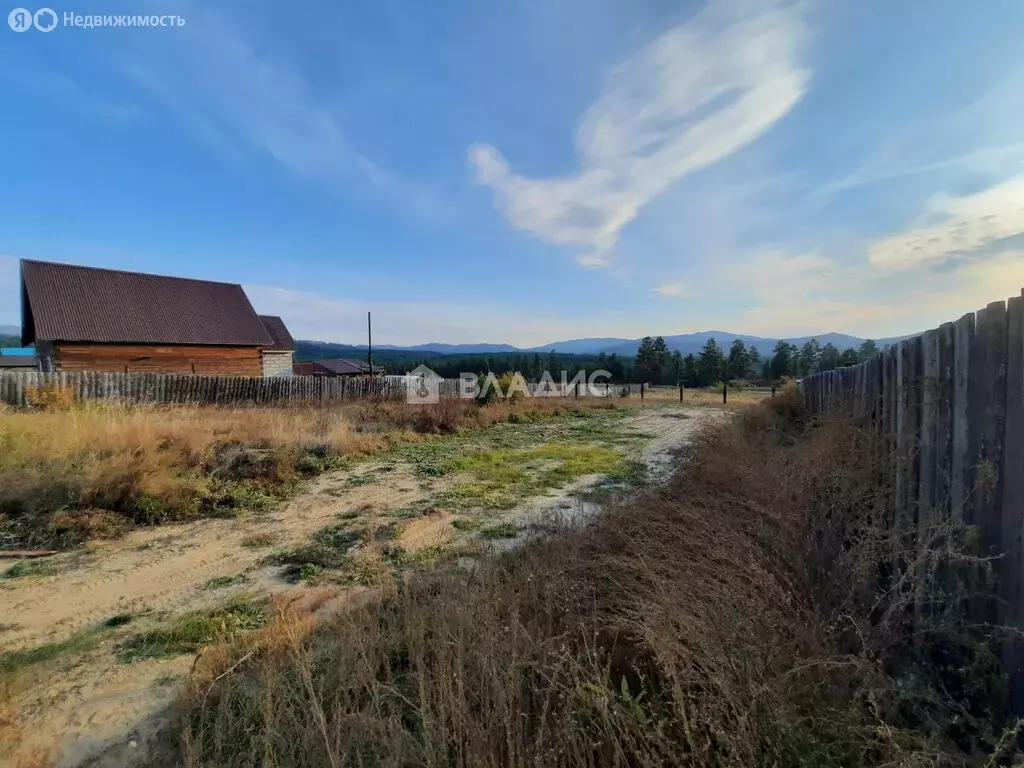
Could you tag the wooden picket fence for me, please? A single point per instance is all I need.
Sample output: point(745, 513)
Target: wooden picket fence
point(16, 388)
point(181, 389)
point(952, 403)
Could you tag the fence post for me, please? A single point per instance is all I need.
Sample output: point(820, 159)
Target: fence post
point(680, 393)
point(725, 393)
point(641, 390)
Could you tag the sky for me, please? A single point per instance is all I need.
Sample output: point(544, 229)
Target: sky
point(528, 171)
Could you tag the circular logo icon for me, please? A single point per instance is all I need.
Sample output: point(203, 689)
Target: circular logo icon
point(45, 19)
point(20, 20)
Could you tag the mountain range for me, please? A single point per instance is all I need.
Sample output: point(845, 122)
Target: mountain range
point(687, 343)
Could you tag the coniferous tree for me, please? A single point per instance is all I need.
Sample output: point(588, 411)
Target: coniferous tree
point(711, 367)
point(738, 360)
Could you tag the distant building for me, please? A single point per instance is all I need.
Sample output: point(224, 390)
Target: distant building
point(88, 319)
point(336, 367)
point(277, 358)
point(19, 362)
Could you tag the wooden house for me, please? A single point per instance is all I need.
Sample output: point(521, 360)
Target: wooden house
point(89, 319)
point(277, 358)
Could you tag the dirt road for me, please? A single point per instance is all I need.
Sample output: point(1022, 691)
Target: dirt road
point(94, 706)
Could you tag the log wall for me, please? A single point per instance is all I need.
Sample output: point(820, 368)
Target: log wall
point(179, 359)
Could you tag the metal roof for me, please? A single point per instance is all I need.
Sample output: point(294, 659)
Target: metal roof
point(18, 361)
point(337, 366)
point(275, 326)
point(64, 302)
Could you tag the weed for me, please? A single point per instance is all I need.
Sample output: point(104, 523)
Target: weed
point(83, 640)
point(357, 480)
point(500, 531)
point(27, 568)
point(259, 541)
point(220, 582)
point(191, 632)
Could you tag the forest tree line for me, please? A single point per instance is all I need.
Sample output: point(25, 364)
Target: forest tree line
point(654, 363)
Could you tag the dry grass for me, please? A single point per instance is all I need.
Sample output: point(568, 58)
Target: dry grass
point(750, 613)
point(708, 396)
point(69, 472)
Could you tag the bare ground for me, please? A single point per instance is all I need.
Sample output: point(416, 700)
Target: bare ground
point(89, 708)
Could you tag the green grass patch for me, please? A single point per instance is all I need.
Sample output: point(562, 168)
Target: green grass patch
point(84, 640)
point(352, 514)
point(328, 549)
point(28, 568)
point(226, 581)
point(191, 632)
point(259, 541)
point(500, 531)
point(355, 481)
point(502, 479)
point(465, 524)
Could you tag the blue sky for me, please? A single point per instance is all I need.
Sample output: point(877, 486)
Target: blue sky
point(529, 171)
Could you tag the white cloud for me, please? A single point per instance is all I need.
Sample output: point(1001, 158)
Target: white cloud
point(964, 225)
point(695, 95)
point(675, 290)
point(798, 295)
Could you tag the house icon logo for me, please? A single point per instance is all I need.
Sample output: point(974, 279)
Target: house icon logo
point(423, 386)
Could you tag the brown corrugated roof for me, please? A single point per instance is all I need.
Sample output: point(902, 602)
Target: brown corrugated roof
point(275, 326)
point(63, 302)
point(337, 366)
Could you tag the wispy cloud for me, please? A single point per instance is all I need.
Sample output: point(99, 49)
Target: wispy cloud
point(956, 227)
point(695, 95)
point(243, 100)
point(676, 290)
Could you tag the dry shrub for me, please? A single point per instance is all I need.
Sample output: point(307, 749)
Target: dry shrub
point(52, 397)
point(151, 464)
point(749, 613)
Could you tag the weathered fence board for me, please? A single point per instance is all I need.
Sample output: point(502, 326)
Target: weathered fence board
point(16, 388)
point(950, 406)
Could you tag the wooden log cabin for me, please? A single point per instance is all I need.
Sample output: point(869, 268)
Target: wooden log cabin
point(89, 319)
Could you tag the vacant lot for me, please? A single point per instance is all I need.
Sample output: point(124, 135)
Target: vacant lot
point(99, 638)
point(751, 612)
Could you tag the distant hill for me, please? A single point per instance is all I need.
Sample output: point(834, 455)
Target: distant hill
point(10, 336)
point(687, 343)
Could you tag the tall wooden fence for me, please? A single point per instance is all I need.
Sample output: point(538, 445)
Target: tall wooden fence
point(952, 402)
point(16, 388)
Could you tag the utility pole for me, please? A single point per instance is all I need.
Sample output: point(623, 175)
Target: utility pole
point(369, 343)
